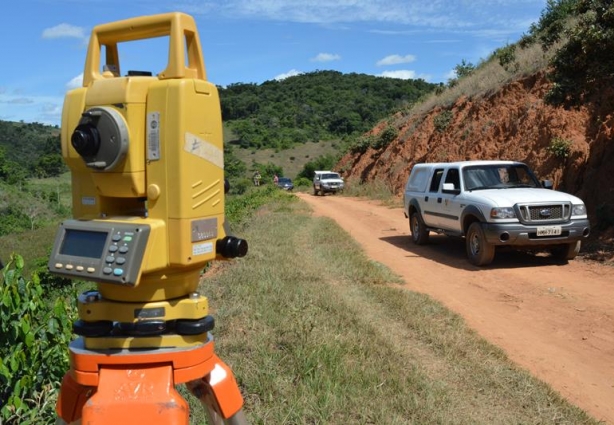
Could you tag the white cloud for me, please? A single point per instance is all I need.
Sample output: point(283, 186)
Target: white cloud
point(450, 75)
point(30, 108)
point(64, 31)
point(507, 16)
point(405, 74)
point(20, 101)
point(326, 57)
point(291, 73)
point(75, 82)
point(395, 60)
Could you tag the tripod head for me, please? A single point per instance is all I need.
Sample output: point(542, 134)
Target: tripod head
point(146, 156)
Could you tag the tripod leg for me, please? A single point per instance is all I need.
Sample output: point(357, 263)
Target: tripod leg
point(71, 399)
point(215, 419)
point(220, 395)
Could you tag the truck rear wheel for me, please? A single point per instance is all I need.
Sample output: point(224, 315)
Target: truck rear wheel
point(566, 251)
point(479, 251)
point(419, 232)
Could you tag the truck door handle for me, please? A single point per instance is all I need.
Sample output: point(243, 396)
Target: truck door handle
point(439, 200)
point(426, 199)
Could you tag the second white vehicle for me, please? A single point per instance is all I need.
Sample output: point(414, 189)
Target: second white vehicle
point(327, 182)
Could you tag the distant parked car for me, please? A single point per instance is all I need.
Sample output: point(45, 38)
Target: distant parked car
point(285, 183)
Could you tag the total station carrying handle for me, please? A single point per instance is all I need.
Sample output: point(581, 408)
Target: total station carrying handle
point(180, 28)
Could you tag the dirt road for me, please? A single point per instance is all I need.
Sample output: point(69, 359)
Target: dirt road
point(555, 320)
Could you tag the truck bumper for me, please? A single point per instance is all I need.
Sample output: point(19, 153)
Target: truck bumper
point(516, 234)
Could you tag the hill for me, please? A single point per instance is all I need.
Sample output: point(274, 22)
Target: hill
point(321, 105)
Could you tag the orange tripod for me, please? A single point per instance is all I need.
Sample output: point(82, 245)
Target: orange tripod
point(130, 384)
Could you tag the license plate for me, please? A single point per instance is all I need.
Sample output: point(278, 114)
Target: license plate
point(549, 231)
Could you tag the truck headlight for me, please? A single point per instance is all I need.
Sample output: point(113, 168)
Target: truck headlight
point(578, 210)
point(506, 212)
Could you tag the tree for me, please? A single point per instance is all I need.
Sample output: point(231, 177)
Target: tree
point(551, 24)
point(584, 63)
point(324, 162)
point(10, 171)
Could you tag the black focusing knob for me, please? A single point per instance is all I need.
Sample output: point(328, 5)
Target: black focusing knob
point(231, 247)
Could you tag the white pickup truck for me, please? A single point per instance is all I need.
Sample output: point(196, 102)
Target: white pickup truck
point(327, 182)
point(492, 204)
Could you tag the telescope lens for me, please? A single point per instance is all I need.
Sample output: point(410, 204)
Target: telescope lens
point(86, 140)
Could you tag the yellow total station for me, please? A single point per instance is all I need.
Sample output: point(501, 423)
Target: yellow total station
point(146, 156)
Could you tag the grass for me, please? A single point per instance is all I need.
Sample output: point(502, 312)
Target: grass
point(34, 245)
point(316, 333)
point(378, 190)
point(292, 161)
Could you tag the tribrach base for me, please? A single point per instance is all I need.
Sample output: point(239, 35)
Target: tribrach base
point(127, 387)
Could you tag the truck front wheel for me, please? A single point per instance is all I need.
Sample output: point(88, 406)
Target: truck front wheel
point(479, 251)
point(419, 232)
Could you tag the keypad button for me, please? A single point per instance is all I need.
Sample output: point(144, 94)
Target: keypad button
point(113, 248)
point(109, 259)
point(120, 260)
point(123, 249)
point(107, 270)
point(118, 272)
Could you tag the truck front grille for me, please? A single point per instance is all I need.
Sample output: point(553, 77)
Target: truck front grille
point(544, 213)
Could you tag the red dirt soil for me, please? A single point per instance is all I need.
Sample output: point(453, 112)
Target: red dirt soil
point(557, 321)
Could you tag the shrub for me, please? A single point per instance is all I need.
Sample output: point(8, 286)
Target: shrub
point(34, 337)
point(442, 121)
point(507, 56)
point(560, 147)
point(361, 144)
point(385, 137)
point(302, 182)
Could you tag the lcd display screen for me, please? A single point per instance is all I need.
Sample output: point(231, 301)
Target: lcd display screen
point(83, 243)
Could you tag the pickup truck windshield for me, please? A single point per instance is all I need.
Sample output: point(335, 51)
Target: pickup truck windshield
point(330, 176)
point(498, 176)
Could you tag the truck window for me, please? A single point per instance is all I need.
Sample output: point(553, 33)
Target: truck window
point(453, 176)
point(436, 180)
point(418, 180)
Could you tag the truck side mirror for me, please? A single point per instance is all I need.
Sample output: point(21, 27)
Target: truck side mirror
point(449, 188)
point(547, 184)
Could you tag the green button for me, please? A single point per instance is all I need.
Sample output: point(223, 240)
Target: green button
point(127, 238)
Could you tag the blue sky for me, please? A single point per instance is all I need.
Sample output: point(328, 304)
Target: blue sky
point(44, 42)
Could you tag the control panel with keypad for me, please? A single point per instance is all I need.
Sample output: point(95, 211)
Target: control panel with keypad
point(100, 251)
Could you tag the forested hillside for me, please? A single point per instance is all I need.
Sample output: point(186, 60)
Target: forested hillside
point(29, 150)
point(316, 106)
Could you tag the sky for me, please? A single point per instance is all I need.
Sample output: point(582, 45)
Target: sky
point(43, 43)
